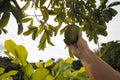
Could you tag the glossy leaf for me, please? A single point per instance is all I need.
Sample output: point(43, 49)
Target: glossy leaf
point(35, 34)
point(4, 20)
point(40, 29)
point(45, 14)
point(42, 45)
point(69, 60)
point(113, 12)
point(39, 64)
point(22, 54)
point(18, 15)
point(28, 32)
point(20, 27)
point(49, 41)
point(114, 4)
point(10, 46)
point(26, 20)
point(49, 77)
point(62, 67)
point(8, 74)
point(48, 63)
point(28, 70)
point(40, 74)
point(70, 53)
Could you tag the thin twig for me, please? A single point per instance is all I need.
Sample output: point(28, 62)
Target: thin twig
point(36, 16)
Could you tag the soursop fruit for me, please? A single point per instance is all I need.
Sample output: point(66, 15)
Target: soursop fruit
point(71, 34)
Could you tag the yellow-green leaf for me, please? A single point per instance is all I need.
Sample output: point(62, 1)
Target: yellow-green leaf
point(10, 46)
point(69, 60)
point(21, 53)
point(82, 69)
point(40, 74)
point(26, 20)
point(28, 70)
point(48, 63)
point(70, 53)
point(8, 74)
point(39, 64)
point(1, 70)
point(28, 32)
point(49, 77)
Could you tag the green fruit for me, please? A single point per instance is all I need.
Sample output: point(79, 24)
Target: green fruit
point(71, 34)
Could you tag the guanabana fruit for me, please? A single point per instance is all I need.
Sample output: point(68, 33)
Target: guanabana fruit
point(71, 34)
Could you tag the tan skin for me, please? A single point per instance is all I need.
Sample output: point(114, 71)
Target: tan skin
point(96, 68)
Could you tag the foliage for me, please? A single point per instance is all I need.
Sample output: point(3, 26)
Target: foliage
point(110, 52)
point(88, 15)
point(62, 70)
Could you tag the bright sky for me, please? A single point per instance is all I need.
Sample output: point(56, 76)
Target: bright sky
point(58, 51)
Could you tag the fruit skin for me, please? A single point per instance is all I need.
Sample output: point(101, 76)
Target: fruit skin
point(71, 34)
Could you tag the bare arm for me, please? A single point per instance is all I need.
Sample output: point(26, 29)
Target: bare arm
point(96, 68)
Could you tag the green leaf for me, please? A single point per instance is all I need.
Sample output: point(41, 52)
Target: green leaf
point(5, 31)
point(18, 16)
point(40, 29)
point(82, 69)
point(10, 46)
point(28, 32)
point(2, 70)
point(45, 14)
point(39, 64)
point(48, 63)
point(103, 2)
point(26, 20)
point(69, 60)
point(26, 5)
point(4, 20)
point(22, 54)
point(42, 2)
point(49, 41)
point(40, 74)
point(70, 53)
point(63, 30)
point(36, 3)
point(42, 45)
point(63, 66)
point(20, 27)
point(28, 70)
point(35, 34)
point(114, 4)
point(49, 77)
point(8, 74)
point(113, 12)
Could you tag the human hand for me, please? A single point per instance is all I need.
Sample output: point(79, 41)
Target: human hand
point(80, 47)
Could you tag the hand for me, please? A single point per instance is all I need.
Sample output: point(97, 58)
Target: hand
point(80, 47)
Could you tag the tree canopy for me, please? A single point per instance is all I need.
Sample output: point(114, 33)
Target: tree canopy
point(110, 52)
point(90, 15)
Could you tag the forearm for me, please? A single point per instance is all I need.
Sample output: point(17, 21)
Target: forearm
point(96, 68)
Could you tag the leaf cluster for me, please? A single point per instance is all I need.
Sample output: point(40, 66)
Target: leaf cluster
point(62, 70)
point(87, 14)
